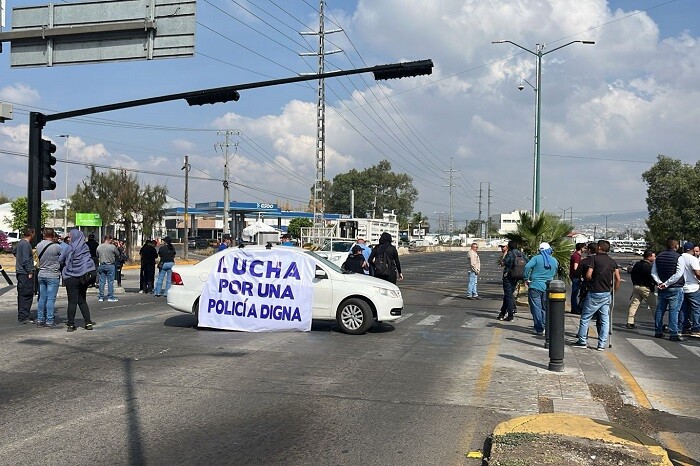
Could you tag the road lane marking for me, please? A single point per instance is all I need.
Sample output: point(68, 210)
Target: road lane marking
point(403, 317)
point(650, 348)
point(445, 300)
point(627, 377)
point(430, 320)
point(693, 349)
point(484, 378)
point(473, 322)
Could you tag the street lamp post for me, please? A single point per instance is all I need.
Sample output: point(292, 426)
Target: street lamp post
point(539, 53)
point(606, 224)
point(65, 201)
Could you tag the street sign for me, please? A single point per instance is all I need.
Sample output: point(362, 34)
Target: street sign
point(87, 219)
point(99, 31)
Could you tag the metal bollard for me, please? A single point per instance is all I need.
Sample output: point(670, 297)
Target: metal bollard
point(556, 293)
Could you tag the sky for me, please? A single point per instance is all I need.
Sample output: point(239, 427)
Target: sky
point(607, 110)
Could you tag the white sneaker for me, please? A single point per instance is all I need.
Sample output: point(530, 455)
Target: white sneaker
point(100, 300)
point(112, 300)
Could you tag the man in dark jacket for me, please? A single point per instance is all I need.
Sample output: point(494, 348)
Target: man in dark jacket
point(667, 272)
point(509, 282)
point(149, 256)
point(355, 261)
point(643, 286)
point(24, 269)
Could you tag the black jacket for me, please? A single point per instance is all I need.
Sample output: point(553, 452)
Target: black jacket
point(354, 263)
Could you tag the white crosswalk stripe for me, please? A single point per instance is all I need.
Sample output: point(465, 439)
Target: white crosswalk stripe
point(445, 300)
point(403, 317)
point(473, 322)
point(650, 348)
point(693, 349)
point(430, 320)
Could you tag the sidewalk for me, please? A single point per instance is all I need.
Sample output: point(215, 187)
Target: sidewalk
point(556, 420)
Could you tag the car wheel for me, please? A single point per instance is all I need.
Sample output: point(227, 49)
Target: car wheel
point(354, 316)
point(195, 311)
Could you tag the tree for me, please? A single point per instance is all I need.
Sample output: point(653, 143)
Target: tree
point(672, 201)
point(18, 208)
point(296, 224)
point(418, 220)
point(377, 189)
point(548, 228)
point(474, 227)
point(4, 198)
point(118, 198)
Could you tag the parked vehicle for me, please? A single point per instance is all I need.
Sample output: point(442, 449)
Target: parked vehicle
point(352, 300)
point(336, 251)
point(197, 242)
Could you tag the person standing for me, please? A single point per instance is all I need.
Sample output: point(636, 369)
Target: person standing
point(366, 252)
point(107, 254)
point(78, 267)
point(92, 245)
point(149, 256)
point(356, 261)
point(167, 261)
point(49, 252)
point(225, 243)
point(604, 277)
point(540, 270)
point(122, 258)
point(689, 314)
point(24, 271)
point(286, 240)
point(643, 286)
point(473, 270)
point(509, 281)
point(385, 260)
point(574, 263)
point(667, 272)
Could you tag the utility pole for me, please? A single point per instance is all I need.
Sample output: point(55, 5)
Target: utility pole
point(488, 212)
point(450, 185)
point(227, 197)
point(319, 207)
point(481, 224)
point(186, 167)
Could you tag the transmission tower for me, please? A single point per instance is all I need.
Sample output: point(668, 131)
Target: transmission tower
point(319, 206)
point(450, 185)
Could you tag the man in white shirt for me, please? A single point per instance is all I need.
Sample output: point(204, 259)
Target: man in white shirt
point(689, 315)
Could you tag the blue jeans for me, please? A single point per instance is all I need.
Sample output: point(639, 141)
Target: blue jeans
point(600, 303)
point(689, 314)
point(167, 272)
point(669, 299)
point(538, 307)
point(106, 273)
point(575, 285)
point(48, 289)
point(471, 287)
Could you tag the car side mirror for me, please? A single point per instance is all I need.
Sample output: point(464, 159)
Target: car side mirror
point(320, 273)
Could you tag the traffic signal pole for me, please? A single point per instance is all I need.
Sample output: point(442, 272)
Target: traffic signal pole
point(36, 124)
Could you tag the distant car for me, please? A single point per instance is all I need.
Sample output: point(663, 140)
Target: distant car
point(197, 242)
point(336, 251)
point(352, 300)
point(639, 251)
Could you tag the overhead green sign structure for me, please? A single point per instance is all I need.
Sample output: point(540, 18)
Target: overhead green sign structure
point(88, 220)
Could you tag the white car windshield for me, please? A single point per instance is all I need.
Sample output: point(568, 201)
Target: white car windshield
point(338, 246)
point(325, 262)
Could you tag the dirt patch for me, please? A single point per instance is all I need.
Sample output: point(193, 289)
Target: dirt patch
point(524, 449)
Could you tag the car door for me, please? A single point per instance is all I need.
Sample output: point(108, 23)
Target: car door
point(323, 295)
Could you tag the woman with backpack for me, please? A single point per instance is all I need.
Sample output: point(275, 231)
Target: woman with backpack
point(513, 268)
point(385, 260)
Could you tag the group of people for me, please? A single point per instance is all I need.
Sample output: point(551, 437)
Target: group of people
point(381, 261)
point(165, 258)
point(69, 260)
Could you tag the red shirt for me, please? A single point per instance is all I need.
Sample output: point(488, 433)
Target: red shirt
point(575, 259)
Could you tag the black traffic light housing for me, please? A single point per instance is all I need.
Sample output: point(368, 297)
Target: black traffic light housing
point(46, 171)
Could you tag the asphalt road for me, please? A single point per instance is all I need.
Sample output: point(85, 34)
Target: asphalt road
point(145, 387)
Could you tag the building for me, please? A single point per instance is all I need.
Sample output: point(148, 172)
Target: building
point(506, 223)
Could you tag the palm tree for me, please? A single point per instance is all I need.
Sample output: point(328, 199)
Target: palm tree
point(545, 227)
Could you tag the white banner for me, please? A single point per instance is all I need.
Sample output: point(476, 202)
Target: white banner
point(259, 290)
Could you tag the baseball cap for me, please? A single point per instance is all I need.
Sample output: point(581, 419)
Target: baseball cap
point(227, 236)
point(688, 246)
point(357, 248)
point(544, 246)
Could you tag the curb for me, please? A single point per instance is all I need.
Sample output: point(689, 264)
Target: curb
point(602, 433)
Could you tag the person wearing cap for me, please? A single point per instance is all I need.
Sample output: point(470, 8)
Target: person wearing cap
point(604, 277)
point(286, 240)
point(366, 252)
point(689, 315)
point(356, 261)
point(643, 286)
point(538, 272)
point(225, 243)
point(668, 274)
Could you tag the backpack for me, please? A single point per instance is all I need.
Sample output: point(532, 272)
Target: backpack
point(383, 265)
point(518, 270)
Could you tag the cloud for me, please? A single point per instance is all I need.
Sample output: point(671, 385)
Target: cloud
point(19, 94)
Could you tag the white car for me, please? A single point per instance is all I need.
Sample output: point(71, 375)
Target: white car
point(354, 301)
point(336, 252)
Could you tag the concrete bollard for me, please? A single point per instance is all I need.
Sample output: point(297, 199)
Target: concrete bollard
point(556, 294)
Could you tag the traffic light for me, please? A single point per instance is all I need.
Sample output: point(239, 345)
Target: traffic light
point(46, 171)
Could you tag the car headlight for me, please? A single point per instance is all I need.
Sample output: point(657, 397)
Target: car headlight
point(387, 292)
